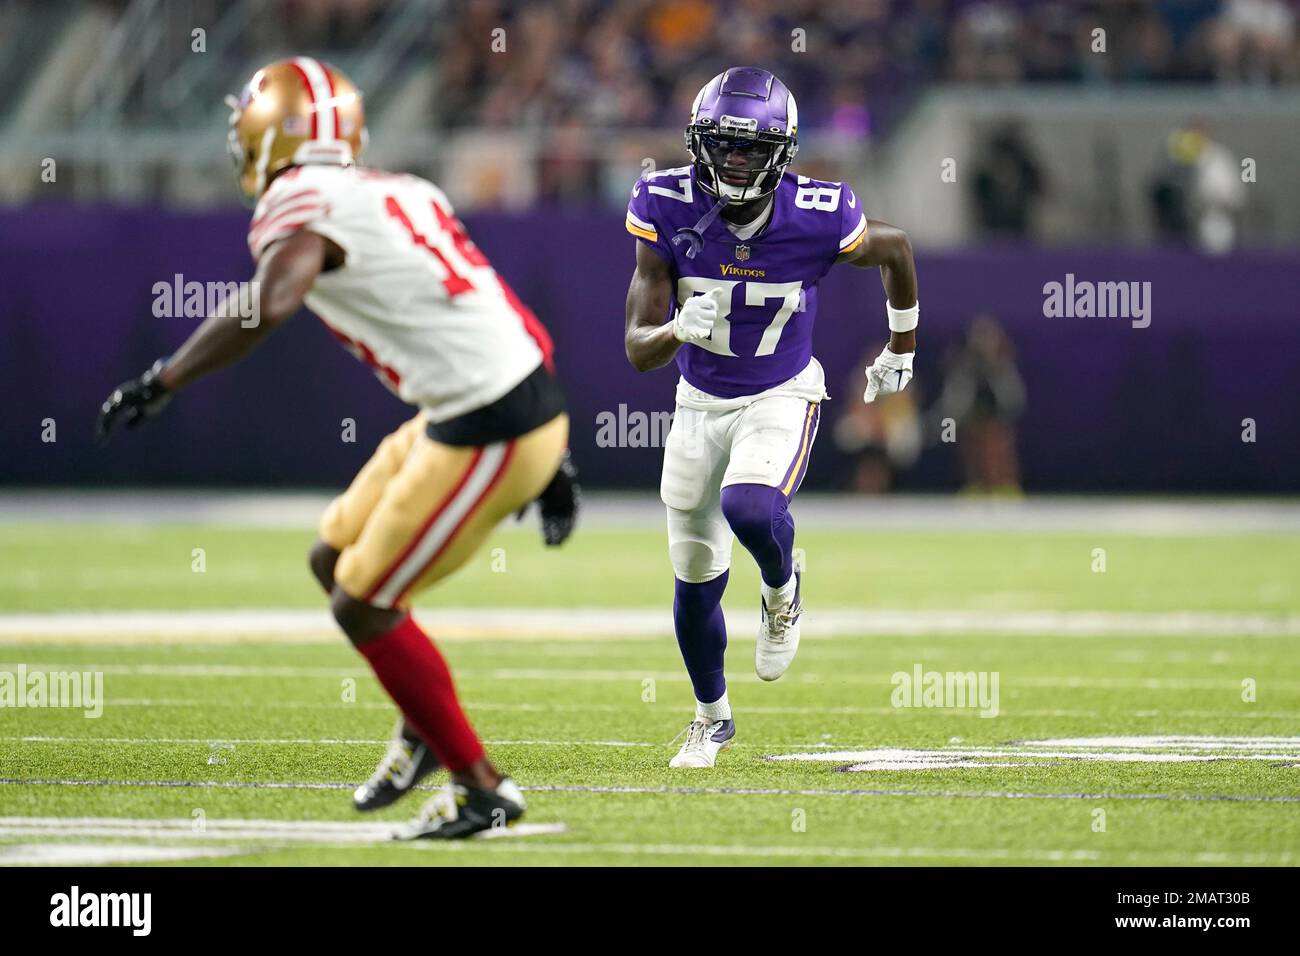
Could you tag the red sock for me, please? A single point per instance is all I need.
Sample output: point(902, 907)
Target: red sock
point(417, 678)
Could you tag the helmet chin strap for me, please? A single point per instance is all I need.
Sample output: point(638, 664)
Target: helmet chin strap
point(693, 236)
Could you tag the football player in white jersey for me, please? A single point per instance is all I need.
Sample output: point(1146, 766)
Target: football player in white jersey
point(388, 268)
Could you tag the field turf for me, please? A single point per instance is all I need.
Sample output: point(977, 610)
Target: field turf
point(242, 746)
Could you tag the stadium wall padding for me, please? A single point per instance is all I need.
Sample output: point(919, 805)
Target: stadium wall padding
point(1110, 407)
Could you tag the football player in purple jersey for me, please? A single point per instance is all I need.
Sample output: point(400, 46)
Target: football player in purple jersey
point(729, 254)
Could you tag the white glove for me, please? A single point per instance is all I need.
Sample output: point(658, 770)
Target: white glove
point(694, 320)
point(889, 373)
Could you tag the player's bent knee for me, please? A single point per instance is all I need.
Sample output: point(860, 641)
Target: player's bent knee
point(362, 622)
point(752, 508)
point(696, 562)
point(322, 558)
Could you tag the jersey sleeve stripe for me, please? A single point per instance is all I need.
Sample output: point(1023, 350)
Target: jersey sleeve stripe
point(283, 202)
point(302, 210)
point(855, 237)
point(282, 231)
point(639, 227)
point(638, 221)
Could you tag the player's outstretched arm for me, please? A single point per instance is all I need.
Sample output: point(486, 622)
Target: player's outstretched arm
point(285, 273)
point(650, 342)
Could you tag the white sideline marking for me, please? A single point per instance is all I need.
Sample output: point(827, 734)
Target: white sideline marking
point(522, 830)
point(678, 791)
point(94, 854)
point(619, 674)
point(630, 623)
point(350, 742)
point(886, 711)
point(266, 834)
point(1173, 743)
point(344, 834)
point(1290, 745)
point(1030, 753)
point(1133, 516)
point(293, 831)
point(323, 741)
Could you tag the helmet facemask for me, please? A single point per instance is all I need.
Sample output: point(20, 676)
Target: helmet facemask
point(735, 159)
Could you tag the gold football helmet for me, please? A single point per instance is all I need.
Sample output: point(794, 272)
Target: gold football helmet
point(294, 113)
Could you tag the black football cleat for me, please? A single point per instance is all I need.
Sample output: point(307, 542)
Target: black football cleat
point(408, 761)
point(457, 812)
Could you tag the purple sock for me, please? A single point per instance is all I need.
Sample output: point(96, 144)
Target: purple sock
point(702, 635)
point(760, 517)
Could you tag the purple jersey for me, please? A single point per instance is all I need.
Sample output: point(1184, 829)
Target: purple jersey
point(763, 335)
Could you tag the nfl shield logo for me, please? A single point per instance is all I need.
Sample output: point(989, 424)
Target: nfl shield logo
point(742, 253)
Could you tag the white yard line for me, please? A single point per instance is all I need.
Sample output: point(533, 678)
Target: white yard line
point(1152, 749)
point(97, 854)
point(330, 833)
point(1158, 742)
point(1132, 515)
point(1166, 749)
point(312, 626)
point(210, 702)
point(551, 674)
point(273, 831)
point(323, 742)
point(261, 836)
point(216, 742)
point(676, 791)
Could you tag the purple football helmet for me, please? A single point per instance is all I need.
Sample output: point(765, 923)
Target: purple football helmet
point(743, 133)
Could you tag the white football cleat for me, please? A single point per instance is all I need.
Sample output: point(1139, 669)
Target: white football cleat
point(778, 635)
point(704, 740)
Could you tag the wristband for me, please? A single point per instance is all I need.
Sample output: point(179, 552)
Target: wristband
point(902, 320)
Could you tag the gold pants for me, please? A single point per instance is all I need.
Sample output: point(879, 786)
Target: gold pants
point(419, 509)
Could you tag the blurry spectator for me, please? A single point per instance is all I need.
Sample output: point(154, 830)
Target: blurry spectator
point(984, 396)
point(1170, 202)
point(1254, 41)
point(1007, 185)
point(1198, 196)
point(882, 438)
point(986, 43)
point(569, 172)
point(1050, 43)
point(923, 38)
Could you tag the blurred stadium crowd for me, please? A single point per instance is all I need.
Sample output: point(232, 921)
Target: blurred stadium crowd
point(855, 63)
point(1075, 120)
point(1010, 143)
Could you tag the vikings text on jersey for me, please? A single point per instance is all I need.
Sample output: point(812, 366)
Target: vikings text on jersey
point(763, 335)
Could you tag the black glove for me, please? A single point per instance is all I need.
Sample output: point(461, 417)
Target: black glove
point(138, 399)
point(559, 503)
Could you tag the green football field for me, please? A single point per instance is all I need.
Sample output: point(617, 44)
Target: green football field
point(1147, 705)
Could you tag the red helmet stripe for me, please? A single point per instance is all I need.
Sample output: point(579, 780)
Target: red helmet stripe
point(311, 93)
point(324, 120)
